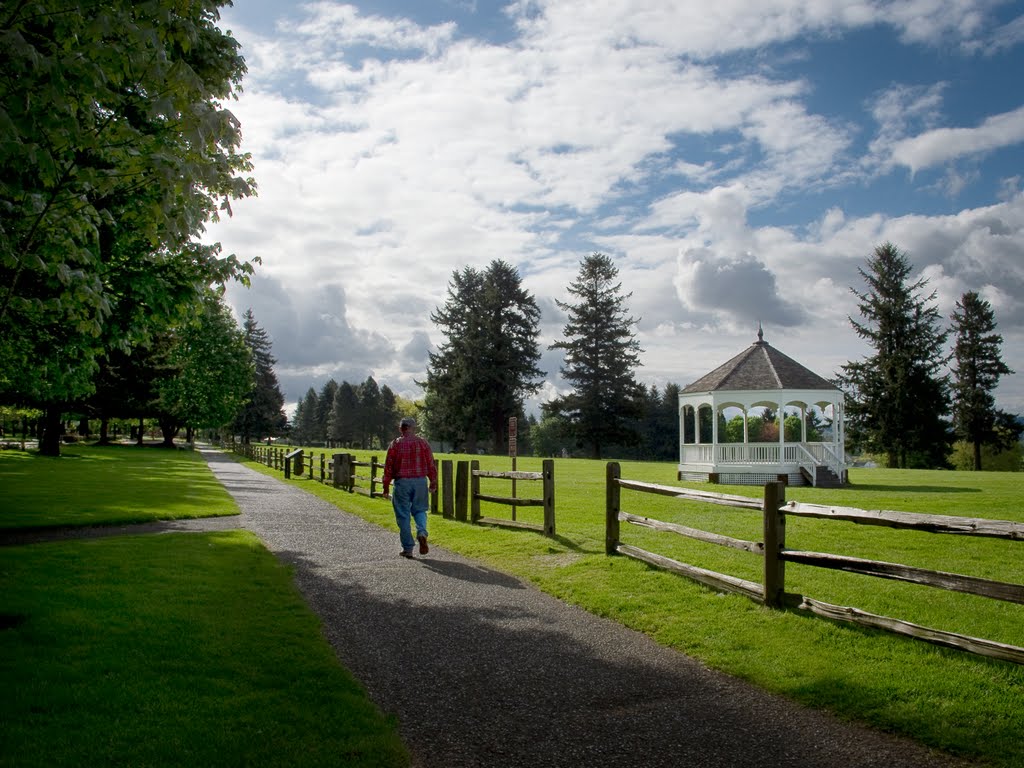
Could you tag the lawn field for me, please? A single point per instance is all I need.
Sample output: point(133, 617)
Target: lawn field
point(949, 699)
point(183, 649)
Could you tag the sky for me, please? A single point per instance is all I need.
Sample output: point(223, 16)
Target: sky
point(738, 160)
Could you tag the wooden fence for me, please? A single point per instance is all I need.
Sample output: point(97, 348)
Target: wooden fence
point(773, 549)
point(342, 470)
point(461, 496)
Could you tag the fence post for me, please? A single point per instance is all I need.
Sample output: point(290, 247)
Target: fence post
point(461, 490)
point(612, 493)
point(433, 496)
point(373, 476)
point(774, 543)
point(474, 490)
point(339, 459)
point(311, 455)
point(350, 477)
point(287, 469)
point(447, 490)
point(323, 467)
point(548, 472)
point(299, 457)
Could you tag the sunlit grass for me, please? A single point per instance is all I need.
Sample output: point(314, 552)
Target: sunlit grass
point(88, 485)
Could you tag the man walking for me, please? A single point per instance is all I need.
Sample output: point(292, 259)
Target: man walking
point(410, 466)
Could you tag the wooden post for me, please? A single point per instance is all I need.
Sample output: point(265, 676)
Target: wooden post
point(298, 469)
point(336, 474)
point(612, 493)
point(548, 472)
point(433, 496)
point(447, 490)
point(373, 476)
point(461, 490)
point(774, 543)
point(474, 490)
point(311, 455)
point(323, 467)
point(350, 478)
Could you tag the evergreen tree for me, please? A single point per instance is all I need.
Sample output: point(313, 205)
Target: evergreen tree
point(324, 409)
point(344, 415)
point(305, 429)
point(601, 354)
point(977, 369)
point(481, 374)
point(896, 398)
point(263, 414)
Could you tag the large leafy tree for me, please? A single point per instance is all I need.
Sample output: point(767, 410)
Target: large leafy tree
point(263, 413)
point(601, 355)
point(977, 368)
point(898, 397)
point(117, 149)
point(210, 374)
point(487, 364)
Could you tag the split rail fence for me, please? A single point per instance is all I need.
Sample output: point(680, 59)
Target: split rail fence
point(773, 549)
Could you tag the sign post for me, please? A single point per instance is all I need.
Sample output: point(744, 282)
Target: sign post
point(512, 451)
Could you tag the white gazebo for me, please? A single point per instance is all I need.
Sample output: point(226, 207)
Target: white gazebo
point(762, 377)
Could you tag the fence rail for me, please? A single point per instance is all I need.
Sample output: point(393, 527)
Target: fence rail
point(461, 495)
point(773, 549)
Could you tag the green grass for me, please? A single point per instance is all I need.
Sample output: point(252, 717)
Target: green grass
point(968, 705)
point(169, 650)
point(113, 485)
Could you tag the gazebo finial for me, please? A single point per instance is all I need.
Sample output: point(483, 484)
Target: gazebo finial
point(760, 333)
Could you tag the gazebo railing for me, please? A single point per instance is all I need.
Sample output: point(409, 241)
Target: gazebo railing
point(760, 453)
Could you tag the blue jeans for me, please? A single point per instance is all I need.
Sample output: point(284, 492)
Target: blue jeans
point(410, 499)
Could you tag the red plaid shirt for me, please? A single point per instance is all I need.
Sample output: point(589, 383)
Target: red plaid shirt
point(409, 457)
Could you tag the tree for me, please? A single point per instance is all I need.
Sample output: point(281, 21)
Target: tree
point(976, 372)
point(263, 412)
point(305, 429)
point(211, 372)
point(344, 415)
point(601, 354)
point(487, 364)
point(116, 151)
point(324, 408)
point(896, 398)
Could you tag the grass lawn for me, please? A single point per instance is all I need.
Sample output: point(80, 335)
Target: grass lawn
point(116, 484)
point(165, 650)
point(951, 700)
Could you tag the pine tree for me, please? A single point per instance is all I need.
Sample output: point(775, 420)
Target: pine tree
point(344, 415)
point(897, 398)
point(487, 364)
point(601, 354)
point(324, 408)
point(977, 369)
point(305, 429)
point(263, 415)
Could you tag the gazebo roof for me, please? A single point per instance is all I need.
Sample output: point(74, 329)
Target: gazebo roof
point(759, 367)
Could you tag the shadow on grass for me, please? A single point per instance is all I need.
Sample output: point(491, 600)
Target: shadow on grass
point(895, 489)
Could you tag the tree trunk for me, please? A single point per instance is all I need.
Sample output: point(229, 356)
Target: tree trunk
point(104, 431)
point(142, 432)
point(977, 456)
point(53, 427)
point(169, 428)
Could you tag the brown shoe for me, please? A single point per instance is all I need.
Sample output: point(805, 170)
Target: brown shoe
point(423, 544)
point(407, 555)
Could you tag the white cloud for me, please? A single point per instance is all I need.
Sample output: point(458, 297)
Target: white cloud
point(614, 125)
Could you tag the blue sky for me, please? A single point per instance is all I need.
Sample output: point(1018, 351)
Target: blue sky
point(738, 160)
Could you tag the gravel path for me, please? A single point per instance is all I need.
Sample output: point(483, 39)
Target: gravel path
point(482, 669)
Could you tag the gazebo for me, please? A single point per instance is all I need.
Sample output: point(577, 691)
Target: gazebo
point(761, 377)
